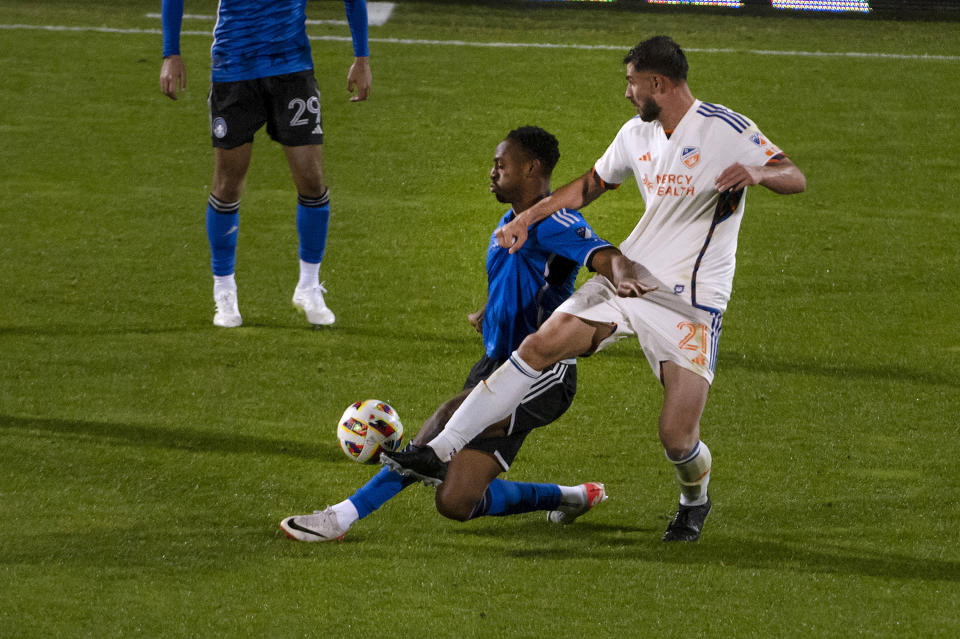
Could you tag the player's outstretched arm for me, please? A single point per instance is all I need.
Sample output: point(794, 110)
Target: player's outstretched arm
point(781, 177)
point(573, 195)
point(621, 271)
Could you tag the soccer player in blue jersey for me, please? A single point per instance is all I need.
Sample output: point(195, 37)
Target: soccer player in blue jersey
point(262, 73)
point(523, 289)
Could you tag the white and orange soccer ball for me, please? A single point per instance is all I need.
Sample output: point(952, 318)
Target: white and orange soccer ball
point(368, 428)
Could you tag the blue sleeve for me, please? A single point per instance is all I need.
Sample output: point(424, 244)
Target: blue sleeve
point(171, 16)
point(357, 18)
point(567, 234)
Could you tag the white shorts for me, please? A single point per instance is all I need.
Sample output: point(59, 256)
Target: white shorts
point(667, 327)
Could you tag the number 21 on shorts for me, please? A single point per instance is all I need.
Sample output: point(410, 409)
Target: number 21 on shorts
point(695, 339)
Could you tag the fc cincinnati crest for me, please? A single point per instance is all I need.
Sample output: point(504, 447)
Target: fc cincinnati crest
point(219, 127)
point(690, 156)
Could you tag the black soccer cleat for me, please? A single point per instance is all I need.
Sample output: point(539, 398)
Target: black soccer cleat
point(419, 462)
point(687, 523)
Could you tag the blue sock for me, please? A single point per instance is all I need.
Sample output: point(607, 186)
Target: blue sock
point(381, 488)
point(513, 497)
point(313, 217)
point(223, 227)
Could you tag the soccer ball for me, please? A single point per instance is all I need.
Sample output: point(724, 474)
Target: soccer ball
point(367, 428)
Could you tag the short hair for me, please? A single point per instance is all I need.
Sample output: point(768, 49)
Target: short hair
point(539, 144)
point(659, 54)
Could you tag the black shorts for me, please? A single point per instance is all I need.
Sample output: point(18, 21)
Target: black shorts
point(288, 104)
point(548, 399)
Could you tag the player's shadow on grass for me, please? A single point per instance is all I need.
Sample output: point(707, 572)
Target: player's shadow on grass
point(829, 369)
point(602, 541)
point(173, 438)
point(815, 557)
point(837, 369)
point(466, 338)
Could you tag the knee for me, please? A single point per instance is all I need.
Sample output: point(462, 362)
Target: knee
point(227, 191)
point(678, 439)
point(537, 352)
point(451, 507)
point(312, 189)
point(228, 183)
point(310, 183)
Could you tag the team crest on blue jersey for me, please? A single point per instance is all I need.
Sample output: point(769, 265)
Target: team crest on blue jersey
point(219, 128)
point(690, 155)
point(585, 232)
point(678, 289)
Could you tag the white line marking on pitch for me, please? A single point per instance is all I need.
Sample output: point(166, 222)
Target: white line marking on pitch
point(518, 45)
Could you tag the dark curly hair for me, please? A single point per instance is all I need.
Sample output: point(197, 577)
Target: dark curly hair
point(659, 54)
point(538, 144)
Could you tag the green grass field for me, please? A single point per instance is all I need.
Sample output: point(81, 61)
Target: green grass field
point(146, 457)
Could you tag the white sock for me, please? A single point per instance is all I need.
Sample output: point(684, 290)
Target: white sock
point(346, 513)
point(489, 402)
point(572, 495)
point(224, 283)
point(309, 275)
point(693, 475)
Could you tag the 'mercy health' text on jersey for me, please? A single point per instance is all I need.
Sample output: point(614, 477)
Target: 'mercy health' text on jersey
point(687, 236)
point(524, 288)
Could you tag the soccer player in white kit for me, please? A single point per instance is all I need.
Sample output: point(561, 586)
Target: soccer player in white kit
point(692, 161)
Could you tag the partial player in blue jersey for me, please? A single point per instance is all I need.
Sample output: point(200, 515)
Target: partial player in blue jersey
point(523, 289)
point(262, 73)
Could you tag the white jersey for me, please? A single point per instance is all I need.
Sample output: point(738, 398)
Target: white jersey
point(687, 236)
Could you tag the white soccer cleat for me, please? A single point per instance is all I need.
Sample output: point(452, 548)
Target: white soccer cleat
point(322, 525)
point(228, 313)
point(594, 493)
point(310, 301)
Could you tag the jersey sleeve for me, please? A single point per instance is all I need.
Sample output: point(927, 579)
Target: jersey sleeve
point(357, 19)
point(171, 17)
point(568, 234)
point(757, 149)
point(614, 167)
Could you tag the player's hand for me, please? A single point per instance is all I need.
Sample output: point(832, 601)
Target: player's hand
point(512, 235)
point(173, 76)
point(633, 288)
point(626, 276)
point(737, 176)
point(476, 319)
point(359, 79)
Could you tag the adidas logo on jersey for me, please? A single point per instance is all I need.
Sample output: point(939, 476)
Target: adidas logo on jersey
point(645, 157)
point(317, 130)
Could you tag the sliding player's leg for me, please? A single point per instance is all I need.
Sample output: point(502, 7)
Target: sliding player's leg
point(471, 488)
point(333, 522)
point(561, 336)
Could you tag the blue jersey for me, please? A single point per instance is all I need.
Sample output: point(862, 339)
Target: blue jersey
point(524, 288)
point(260, 38)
